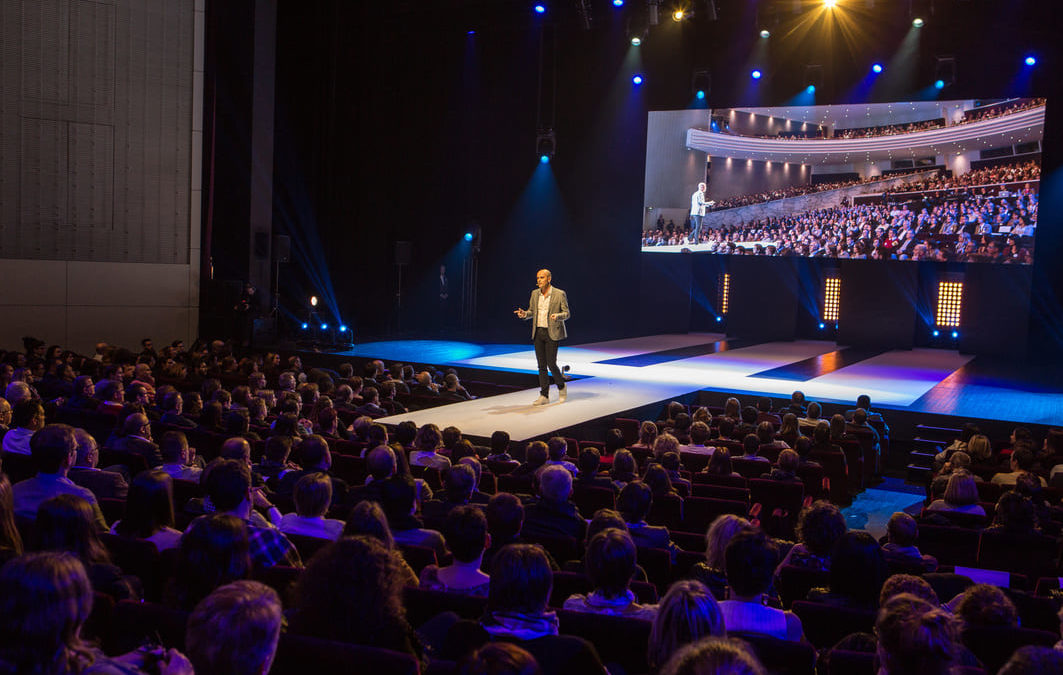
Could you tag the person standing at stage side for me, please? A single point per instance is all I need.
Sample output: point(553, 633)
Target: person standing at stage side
point(548, 310)
point(697, 212)
point(444, 298)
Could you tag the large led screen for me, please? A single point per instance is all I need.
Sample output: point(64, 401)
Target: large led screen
point(917, 180)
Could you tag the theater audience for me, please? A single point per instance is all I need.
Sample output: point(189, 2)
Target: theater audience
point(712, 572)
point(149, 512)
point(427, 444)
point(54, 451)
point(961, 493)
point(624, 469)
point(556, 449)
point(1015, 514)
point(554, 514)
point(588, 476)
point(1021, 460)
point(819, 527)
point(857, 572)
point(27, 418)
point(634, 503)
point(398, 500)
point(314, 457)
point(368, 519)
point(902, 532)
point(984, 606)
point(720, 464)
point(916, 637)
point(465, 531)
point(715, 656)
point(136, 439)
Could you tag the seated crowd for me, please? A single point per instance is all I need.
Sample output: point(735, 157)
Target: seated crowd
point(658, 549)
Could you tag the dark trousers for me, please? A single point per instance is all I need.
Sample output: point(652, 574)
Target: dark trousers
point(546, 356)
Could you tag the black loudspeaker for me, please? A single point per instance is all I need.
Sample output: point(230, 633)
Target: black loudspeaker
point(282, 248)
point(403, 252)
point(261, 245)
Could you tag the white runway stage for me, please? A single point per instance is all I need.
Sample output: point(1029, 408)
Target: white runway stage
point(893, 378)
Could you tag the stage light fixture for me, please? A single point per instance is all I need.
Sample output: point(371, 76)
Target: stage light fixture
point(811, 89)
point(343, 328)
point(540, 9)
point(822, 326)
point(950, 300)
point(955, 334)
point(719, 319)
point(678, 15)
point(918, 22)
point(756, 74)
point(936, 333)
point(829, 4)
point(545, 144)
point(544, 159)
point(324, 326)
point(832, 292)
point(700, 94)
point(636, 80)
point(470, 32)
point(723, 300)
point(313, 301)
point(305, 326)
point(701, 83)
point(877, 68)
point(765, 33)
point(636, 41)
point(1031, 60)
point(618, 3)
point(939, 84)
point(468, 235)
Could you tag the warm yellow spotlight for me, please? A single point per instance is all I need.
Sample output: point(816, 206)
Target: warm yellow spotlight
point(829, 4)
point(678, 15)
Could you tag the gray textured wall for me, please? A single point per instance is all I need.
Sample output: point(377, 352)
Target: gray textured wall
point(672, 170)
point(100, 138)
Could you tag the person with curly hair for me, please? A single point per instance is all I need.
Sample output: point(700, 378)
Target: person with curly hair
point(818, 528)
point(983, 605)
point(916, 637)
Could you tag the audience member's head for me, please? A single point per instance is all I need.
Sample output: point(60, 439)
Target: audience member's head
point(858, 568)
point(1015, 513)
point(500, 443)
point(983, 605)
point(715, 656)
point(67, 523)
point(719, 463)
point(589, 461)
point(647, 434)
point(536, 454)
point(500, 658)
point(819, 527)
point(902, 529)
point(610, 562)
point(213, 552)
point(665, 443)
point(367, 518)
point(149, 505)
point(687, 613)
point(749, 560)
point(624, 466)
point(228, 484)
point(555, 484)
point(234, 630)
point(505, 517)
point(53, 448)
point(521, 580)
point(908, 583)
point(1033, 660)
point(915, 637)
point(465, 531)
point(961, 490)
point(313, 495)
point(634, 501)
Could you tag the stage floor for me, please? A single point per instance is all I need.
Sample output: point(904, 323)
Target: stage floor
point(619, 375)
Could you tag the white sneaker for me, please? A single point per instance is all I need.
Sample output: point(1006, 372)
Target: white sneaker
point(564, 395)
point(542, 400)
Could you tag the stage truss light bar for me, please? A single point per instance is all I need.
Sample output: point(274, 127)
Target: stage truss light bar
point(832, 290)
point(950, 299)
point(724, 299)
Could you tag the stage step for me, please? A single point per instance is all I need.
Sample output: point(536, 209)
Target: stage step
point(923, 459)
point(919, 475)
point(928, 445)
point(939, 434)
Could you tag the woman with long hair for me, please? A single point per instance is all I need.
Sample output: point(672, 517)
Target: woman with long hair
point(67, 523)
point(149, 513)
point(45, 599)
point(687, 613)
point(213, 553)
point(368, 519)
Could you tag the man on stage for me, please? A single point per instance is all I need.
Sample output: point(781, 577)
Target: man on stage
point(548, 310)
point(697, 212)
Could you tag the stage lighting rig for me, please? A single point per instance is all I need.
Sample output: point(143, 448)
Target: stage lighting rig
point(701, 84)
point(944, 71)
point(637, 28)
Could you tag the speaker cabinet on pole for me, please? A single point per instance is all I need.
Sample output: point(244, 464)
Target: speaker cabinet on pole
point(282, 248)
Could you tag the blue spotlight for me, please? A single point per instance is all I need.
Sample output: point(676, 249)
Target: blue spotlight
point(637, 80)
point(343, 328)
point(877, 68)
point(544, 159)
point(540, 9)
point(700, 95)
point(1031, 60)
point(822, 326)
point(470, 32)
point(618, 3)
point(468, 236)
point(324, 326)
point(305, 325)
point(940, 84)
point(955, 334)
point(719, 319)
point(810, 89)
point(936, 332)
point(756, 74)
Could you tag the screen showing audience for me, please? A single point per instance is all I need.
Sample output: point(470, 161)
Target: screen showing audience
point(916, 180)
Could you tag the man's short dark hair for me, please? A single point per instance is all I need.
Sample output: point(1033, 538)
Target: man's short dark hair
point(1023, 458)
point(556, 447)
point(451, 436)
point(405, 432)
point(227, 483)
point(863, 401)
point(465, 530)
point(505, 516)
point(278, 448)
point(749, 414)
point(589, 461)
point(397, 495)
point(764, 404)
point(750, 560)
point(610, 563)
point(751, 444)
point(499, 442)
point(312, 451)
point(51, 446)
point(171, 446)
point(634, 501)
point(520, 580)
point(23, 412)
point(614, 440)
point(460, 481)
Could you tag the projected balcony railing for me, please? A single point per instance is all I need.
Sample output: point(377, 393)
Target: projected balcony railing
point(1020, 127)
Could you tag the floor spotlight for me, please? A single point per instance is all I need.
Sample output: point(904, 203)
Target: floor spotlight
point(324, 326)
point(700, 95)
point(468, 235)
point(305, 326)
point(811, 89)
point(343, 328)
point(543, 159)
point(939, 84)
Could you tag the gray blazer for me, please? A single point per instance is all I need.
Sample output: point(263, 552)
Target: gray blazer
point(558, 305)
